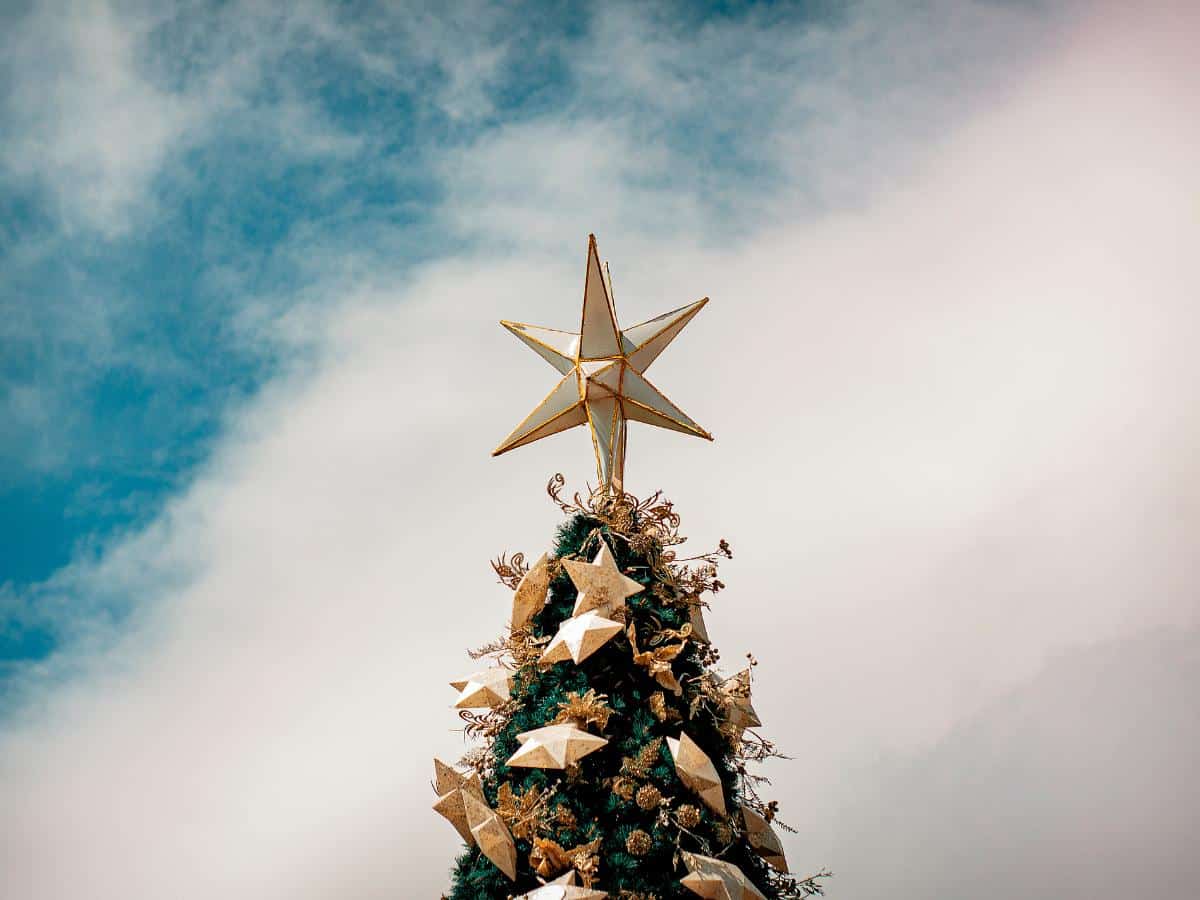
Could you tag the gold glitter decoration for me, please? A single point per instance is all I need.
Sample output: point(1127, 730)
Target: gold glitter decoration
point(648, 797)
point(520, 812)
point(565, 816)
point(639, 843)
point(624, 787)
point(688, 815)
point(639, 766)
point(549, 858)
point(723, 832)
point(657, 662)
point(588, 709)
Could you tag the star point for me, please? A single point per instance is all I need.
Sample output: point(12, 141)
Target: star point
point(554, 747)
point(600, 584)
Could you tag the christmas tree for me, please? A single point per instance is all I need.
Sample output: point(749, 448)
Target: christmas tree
point(615, 760)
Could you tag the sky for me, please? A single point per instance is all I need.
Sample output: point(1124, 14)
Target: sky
point(252, 260)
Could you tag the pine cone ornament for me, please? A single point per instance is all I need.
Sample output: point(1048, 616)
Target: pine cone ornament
point(688, 816)
point(638, 843)
point(648, 797)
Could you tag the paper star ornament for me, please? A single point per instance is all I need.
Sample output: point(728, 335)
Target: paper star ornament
point(715, 879)
point(531, 593)
point(600, 584)
point(579, 637)
point(739, 709)
point(763, 839)
point(602, 383)
point(696, 620)
point(563, 888)
point(554, 747)
point(483, 690)
point(697, 772)
point(451, 786)
point(492, 835)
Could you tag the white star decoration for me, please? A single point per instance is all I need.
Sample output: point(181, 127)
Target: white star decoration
point(715, 879)
point(554, 747)
point(579, 637)
point(483, 690)
point(602, 385)
point(563, 888)
point(600, 583)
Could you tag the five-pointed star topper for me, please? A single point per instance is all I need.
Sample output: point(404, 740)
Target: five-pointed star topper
point(603, 385)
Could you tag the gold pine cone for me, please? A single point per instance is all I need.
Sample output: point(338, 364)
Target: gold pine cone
point(638, 843)
point(688, 815)
point(648, 797)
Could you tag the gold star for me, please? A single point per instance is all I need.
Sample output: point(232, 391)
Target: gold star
point(697, 772)
point(483, 690)
point(715, 879)
point(563, 888)
point(554, 747)
point(763, 839)
point(739, 709)
point(492, 835)
point(579, 637)
point(450, 787)
point(531, 593)
point(600, 584)
point(602, 385)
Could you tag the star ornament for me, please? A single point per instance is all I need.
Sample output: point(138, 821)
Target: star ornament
point(563, 888)
point(600, 584)
point(483, 690)
point(715, 879)
point(579, 637)
point(491, 835)
point(554, 747)
point(603, 384)
point(451, 786)
point(697, 772)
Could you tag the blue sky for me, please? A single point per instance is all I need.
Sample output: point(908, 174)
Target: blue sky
point(139, 283)
point(253, 256)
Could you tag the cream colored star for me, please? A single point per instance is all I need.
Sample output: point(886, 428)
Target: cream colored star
point(697, 772)
point(563, 888)
point(602, 385)
point(579, 637)
point(600, 584)
point(715, 879)
point(554, 747)
point(483, 690)
point(492, 835)
point(450, 786)
point(763, 839)
point(531, 593)
point(739, 709)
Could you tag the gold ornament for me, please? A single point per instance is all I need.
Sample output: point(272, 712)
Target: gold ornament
point(564, 816)
point(483, 690)
point(688, 816)
point(697, 772)
point(639, 843)
point(588, 709)
point(520, 812)
point(657, 662)
point(648, 797)
point(554, 747)
point(579, 637)
point(549, 858)
point(492, 835)
point(600, 584)
point(639, 766)
point(563, 888)
point(737, 692)
point(723, 832)
point(624, 787)
point(763, 839)
point(531, 593)
point(715, 879)
point(602, 384)
point(450, 786)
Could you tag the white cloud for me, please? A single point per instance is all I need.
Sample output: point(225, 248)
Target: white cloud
point(954, 437)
